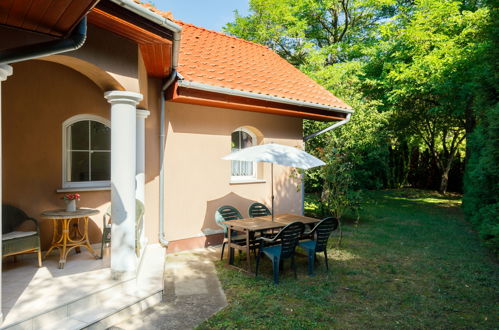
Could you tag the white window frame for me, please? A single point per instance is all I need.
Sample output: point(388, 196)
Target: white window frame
point(65, 164)
point(236, 178)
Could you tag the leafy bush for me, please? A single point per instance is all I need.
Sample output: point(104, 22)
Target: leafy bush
point(481, 199)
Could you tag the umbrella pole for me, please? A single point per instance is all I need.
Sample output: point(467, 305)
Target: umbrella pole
point(272, 184)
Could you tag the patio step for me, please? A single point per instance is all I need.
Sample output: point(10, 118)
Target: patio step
point(109, 306)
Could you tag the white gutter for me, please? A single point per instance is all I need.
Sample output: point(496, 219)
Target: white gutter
point(338, 124)
point(236, 92)
point(311, 136)
point(158, 19)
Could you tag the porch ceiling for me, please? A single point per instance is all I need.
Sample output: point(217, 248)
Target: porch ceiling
point(55, 18)
point(155, 42)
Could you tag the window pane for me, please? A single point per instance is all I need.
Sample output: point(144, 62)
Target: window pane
point(79, 166)
point(79, 136)
point(100, 136)
point(246, 140)
point(101, 166)
point(235, 141)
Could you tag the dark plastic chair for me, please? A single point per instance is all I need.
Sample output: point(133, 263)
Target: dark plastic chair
point(227, 213)
point(318, 243)
point(282, 246)
point(258, 210)
point(17, 242)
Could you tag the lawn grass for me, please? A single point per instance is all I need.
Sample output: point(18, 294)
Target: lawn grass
point(411, 262)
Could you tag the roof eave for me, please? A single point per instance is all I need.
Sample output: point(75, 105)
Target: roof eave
point(263, 97)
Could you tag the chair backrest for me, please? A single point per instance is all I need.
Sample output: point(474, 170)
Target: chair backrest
point(290, 236)
point(12, 217)
point(322, 232)
point(258, 210)
point(139, 212)
point(226, 213)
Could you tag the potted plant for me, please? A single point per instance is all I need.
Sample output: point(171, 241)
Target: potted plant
point(70, 200)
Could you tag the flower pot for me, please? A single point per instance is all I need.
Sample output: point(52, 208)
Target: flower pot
point(71, 205)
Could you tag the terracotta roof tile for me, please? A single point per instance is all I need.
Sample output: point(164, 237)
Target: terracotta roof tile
point(217, 59)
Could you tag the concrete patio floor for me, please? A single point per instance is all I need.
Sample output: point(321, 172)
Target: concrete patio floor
point(192, 293)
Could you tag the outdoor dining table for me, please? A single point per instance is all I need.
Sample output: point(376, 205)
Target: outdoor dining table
point(250, 226)
point(65, 240)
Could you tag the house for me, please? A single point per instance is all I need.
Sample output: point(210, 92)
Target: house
point(118, 102)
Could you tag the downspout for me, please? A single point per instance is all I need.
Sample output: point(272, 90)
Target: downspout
point(162, 137)
point(311, 136)
point(162, 141)
point(176, 29)
point(75, 40)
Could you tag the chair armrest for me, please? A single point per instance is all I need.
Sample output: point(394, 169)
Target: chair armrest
point(265, 239)
point(36, 224)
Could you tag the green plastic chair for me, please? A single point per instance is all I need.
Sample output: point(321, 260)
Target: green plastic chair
point(258, 210)
point(320, 235)
point(282, 246)
point(223, 214)
point(107, 224)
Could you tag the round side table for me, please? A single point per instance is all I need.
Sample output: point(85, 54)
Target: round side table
point(62, 239)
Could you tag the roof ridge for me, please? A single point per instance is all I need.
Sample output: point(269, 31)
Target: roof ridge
point(220, 33)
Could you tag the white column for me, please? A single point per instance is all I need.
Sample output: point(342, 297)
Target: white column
point(123, 130)
point(5, 71)
point(140, 165)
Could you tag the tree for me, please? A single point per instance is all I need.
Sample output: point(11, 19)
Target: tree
point(295, 29)
point(481, 182)
point(416, 72)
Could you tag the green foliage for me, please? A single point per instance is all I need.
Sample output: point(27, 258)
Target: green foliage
point(481, 199)
point(419, 75)
point(364, 138)
point(338, 194)
point(416, 70)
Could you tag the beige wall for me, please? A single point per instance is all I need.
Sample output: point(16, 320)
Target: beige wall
point(197, 179)
point(38, 98)
point(41, 95)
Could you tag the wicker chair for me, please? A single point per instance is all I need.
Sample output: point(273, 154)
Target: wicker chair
point(19, 242)
point(107, 224)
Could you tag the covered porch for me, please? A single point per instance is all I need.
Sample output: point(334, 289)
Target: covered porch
point(40, 165)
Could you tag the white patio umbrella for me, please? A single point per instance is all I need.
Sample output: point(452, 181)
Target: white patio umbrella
point(276, 154)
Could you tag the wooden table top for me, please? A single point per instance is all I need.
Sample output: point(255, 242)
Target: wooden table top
point(263, 223)
point(63, 214)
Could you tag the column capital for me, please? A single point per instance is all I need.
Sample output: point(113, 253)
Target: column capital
point(117, 97)
point(142, 113)
point(5, 71)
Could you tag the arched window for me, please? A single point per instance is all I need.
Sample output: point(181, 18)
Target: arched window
point(243, 138)
point(86, 152)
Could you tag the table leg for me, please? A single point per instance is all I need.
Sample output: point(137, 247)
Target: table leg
point(86, 239)
point(248, 256)
point(55, 237)
point(230, 260)
point(65, 237)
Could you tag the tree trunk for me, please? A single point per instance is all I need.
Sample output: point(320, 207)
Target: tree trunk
point(444, 181)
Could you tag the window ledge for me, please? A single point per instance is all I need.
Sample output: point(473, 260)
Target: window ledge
point(76, 189)
point(245, 181)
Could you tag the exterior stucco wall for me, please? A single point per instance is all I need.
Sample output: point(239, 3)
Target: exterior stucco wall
point(38, 98)
point(41, 95)
point(197, 180)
